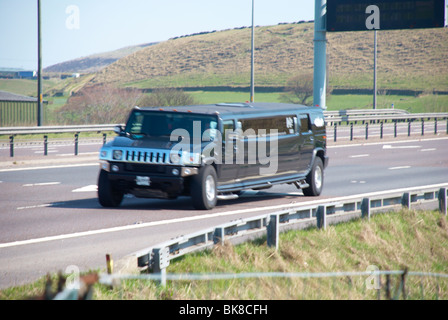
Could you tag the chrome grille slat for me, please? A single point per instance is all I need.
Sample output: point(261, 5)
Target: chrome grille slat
point(149, 156)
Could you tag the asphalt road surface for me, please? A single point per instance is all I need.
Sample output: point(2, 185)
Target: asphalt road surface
point(50, 218)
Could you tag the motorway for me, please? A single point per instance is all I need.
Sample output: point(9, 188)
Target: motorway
point(50, 218)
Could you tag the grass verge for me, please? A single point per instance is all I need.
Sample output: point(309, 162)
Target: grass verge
point(416, 240)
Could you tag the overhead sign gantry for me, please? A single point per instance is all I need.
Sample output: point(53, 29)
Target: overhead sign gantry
point(362, 15)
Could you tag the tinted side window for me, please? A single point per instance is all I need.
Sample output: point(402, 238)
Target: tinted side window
point(262, 126)
point(304, 123)
point(228, 129)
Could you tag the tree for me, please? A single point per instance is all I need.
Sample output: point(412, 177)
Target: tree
point(299, 89)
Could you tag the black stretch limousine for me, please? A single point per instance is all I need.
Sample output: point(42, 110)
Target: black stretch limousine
point(212, 152)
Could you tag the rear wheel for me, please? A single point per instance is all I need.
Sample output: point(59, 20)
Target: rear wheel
point(108, 196)
point(203, 189)
point(315, 179)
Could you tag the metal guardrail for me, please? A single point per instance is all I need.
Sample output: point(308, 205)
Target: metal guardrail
point(384, 118)
point(364, 112)
point(56, 129)
point(330, 116)
point(319, 213)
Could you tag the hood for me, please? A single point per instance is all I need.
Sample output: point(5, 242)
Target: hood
point(150, 143)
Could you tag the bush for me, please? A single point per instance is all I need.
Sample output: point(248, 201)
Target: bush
point(98, 105)
point(166, 97)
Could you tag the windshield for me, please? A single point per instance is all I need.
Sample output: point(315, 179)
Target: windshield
point(162, 124)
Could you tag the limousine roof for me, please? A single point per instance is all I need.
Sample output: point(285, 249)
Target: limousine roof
point(236, 108)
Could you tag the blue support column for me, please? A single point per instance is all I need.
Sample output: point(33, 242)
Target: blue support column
point(320, 54)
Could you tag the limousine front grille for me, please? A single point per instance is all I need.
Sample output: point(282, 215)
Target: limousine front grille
point(156, 157)
point(143, 167)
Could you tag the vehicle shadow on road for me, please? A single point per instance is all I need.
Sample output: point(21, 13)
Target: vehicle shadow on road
point(180, 204)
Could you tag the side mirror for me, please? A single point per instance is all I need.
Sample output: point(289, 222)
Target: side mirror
point(119, 129)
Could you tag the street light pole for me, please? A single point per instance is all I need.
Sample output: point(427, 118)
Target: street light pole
point(375, 56)
point(39, 66)
point(252, 85)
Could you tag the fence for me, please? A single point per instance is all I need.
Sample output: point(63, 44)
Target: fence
point(76, 130)
point(370, 284)
point(377, 123)
point(319, 213)
point(20, 113)
point(380, 125)
point(373, 284)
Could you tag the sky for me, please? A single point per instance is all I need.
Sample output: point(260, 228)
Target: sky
point(77, 28)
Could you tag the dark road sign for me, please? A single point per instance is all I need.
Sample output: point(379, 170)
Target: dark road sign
point(362, 15)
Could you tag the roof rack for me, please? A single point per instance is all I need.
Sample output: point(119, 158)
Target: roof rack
point(238, 105)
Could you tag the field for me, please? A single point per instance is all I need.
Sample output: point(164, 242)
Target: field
point(416, 60)
point(422, 103)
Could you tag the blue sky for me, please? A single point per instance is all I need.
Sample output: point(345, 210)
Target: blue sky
point(77, 28)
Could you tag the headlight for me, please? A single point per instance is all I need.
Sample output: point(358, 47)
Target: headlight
point(190, 158)
point(103, 154)
point(117, 154)
point(174, 157)
point(185, 158)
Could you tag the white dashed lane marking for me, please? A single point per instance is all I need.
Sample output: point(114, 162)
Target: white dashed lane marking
point(90, 188)
point(400, 168)
point(41, 184)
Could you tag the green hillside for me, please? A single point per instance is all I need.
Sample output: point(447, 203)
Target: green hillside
point(409, 59)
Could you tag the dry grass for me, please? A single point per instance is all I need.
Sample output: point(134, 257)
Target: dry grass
point(416, 240)
point(412, 59)
point(410, 239)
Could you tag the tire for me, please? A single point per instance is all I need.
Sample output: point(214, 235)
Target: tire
point(315, 179)
point(203, 189)
point(108, 196)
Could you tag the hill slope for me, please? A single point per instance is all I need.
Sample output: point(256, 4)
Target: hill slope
point(95, 62)
point(410, 59)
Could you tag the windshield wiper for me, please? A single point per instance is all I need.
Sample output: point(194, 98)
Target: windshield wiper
point(138, 134)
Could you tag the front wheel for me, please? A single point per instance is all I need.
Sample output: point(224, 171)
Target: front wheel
point(203, 189)
point(315, 179)
point(108, 196)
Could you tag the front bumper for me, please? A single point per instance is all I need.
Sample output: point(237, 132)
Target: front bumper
point(157, 187)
